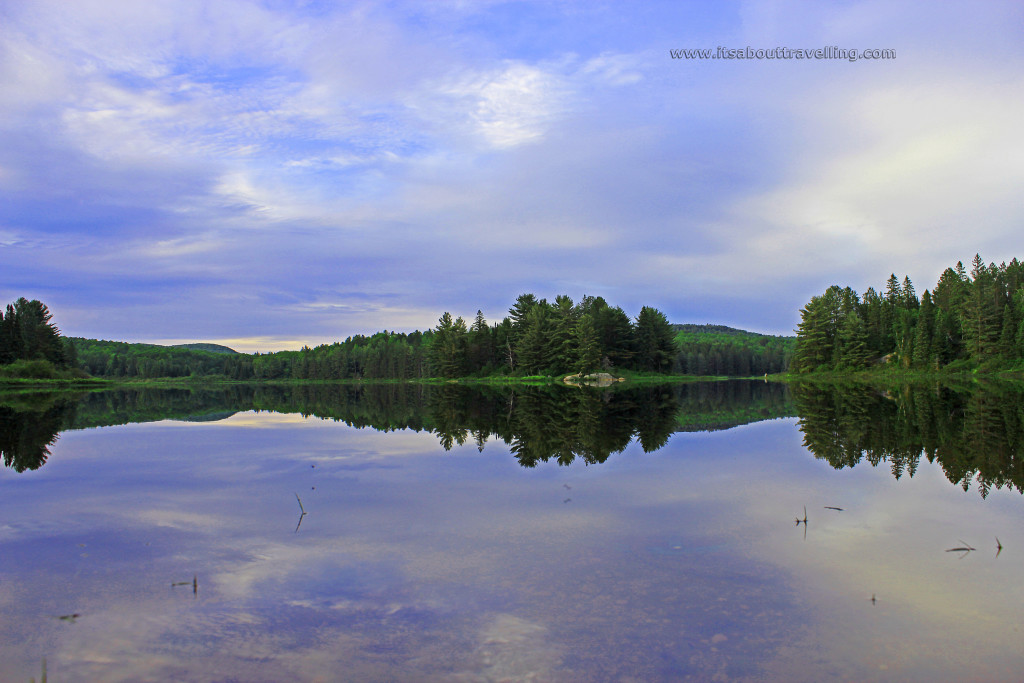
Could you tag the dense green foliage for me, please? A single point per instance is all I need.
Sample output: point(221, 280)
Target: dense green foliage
point(204, 346)
point(720, 350)
point(536, 338)
point(31, 346)
point(970, 320)
point(121, 359)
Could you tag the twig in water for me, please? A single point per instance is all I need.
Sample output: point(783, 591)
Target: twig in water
point(804, 520)
point(831, 507)
point(965, 548)
point(301, 516)
point(70, 618)
point(43, 679)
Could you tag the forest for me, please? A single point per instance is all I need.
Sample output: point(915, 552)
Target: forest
point(536, 339)
point(971, 320)
point(725, 351)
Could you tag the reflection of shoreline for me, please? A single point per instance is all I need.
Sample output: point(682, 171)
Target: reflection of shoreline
point(974, 436)
point(539, 423)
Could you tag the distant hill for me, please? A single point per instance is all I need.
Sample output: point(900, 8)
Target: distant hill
point(101, 358)
point(722, 350)
point(212, 348)
point(718, 329)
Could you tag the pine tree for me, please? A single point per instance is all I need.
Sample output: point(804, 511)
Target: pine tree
point(561, 353)
point(531, 347)
point(587, 348)
point(1008, 334)
point(655, 341)
point(615, 335)
point(980, 316)
point(480, 344)
point(923, 333)
point(852, 342)
point(814, 346)
point(448, 348)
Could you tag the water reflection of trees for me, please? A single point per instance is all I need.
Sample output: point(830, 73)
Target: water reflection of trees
point(30, 427)
point(973, 435)
point(539, 423)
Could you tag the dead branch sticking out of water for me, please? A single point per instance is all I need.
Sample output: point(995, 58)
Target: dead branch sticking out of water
point(43, 679)
point(964, 549)
point(194, 583)
point(804, 520)
point(302, 515)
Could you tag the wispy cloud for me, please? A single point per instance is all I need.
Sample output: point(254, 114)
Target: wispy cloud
point(453, 155)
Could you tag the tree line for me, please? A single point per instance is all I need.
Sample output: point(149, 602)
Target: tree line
point(970, 320)
point(536, 338)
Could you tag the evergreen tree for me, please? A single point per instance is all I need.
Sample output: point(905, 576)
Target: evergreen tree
point(561, 353)
point(923, 355)
point(588, 351)
point(853, 342)
point(814, 345)
point(448, 348)
point(1008, 334)
point(980, 316)
point(655, 341)
point(480, 350)
point(531, 349)
point(615, 335)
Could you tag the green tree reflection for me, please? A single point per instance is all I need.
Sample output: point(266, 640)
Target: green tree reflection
point(973, 435)
point(28, 431)
point(539, 424)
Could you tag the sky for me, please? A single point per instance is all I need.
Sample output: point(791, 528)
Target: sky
point(272, 174)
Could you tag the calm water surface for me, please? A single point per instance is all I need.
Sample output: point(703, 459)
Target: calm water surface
point(417, 563)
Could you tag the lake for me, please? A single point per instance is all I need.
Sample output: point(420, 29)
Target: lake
point(418, 533)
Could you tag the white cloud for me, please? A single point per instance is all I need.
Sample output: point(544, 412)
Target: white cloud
point(503, 107)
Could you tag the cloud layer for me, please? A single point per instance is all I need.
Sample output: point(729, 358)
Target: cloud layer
point(251, 171)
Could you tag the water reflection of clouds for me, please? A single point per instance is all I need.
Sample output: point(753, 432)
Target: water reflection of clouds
point(889, 542)
point(474, 568)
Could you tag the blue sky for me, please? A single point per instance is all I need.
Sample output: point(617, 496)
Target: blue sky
point(268, 174)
